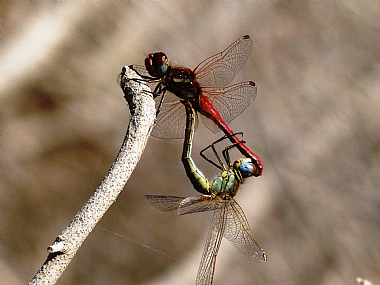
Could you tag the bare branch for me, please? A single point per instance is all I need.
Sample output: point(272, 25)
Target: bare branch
point(142, 108)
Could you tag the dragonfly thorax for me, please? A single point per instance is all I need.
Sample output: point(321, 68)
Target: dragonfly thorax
point(181, 81)
point(226, 184)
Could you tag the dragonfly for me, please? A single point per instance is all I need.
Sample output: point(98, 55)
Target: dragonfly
point(228, 220)
point(206, 88)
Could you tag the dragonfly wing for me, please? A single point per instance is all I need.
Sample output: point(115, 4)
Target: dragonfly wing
point(171, 120)
point(141, 70)
point(210, 124)
point(230, 101)
point(239, 233)
point(210, 251)
point(221, 68)
point(164, 203)
point(195, 204)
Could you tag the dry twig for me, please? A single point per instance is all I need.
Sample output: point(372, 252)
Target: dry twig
point(142, 109)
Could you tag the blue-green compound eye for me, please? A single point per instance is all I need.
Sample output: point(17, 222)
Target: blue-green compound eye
point(246, 167)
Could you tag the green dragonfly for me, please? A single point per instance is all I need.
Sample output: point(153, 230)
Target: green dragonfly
point(229, 220)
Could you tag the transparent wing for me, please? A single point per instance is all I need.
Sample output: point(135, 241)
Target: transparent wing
point(221, 68)
point(171, 121)
point(239, 233)
point(230, 101)
point(164, 203)
point(141, 70)
point(210, 251)
point(195, 204)
point(185, 205)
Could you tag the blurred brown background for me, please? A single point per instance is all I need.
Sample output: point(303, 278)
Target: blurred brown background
point(315, 124)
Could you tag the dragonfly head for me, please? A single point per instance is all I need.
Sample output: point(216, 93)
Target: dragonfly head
point(156, 64)
point(244, 166)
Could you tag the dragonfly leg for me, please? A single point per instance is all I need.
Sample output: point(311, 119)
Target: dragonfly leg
point(220, 166)
point(148, 78)
point(225, 153)
point(145, 79)
point(160, 90)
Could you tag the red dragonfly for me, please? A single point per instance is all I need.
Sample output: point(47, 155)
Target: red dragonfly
point(206, 88)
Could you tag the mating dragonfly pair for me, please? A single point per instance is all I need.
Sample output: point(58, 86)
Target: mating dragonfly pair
point(203, 90)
